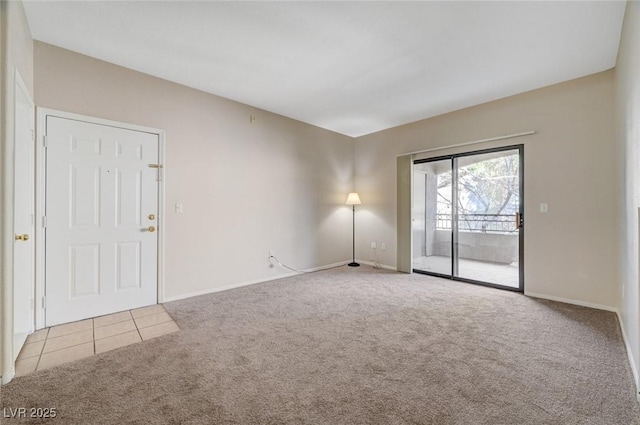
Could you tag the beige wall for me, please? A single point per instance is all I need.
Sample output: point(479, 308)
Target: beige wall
point(627, 79)
point(571, 164)
point(17, 55)
point(247, 189)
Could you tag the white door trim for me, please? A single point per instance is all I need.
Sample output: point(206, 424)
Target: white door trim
point(43, 113)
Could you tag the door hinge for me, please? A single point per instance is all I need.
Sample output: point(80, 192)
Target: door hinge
point(33, 136)
point(44, 221)
point(44, 141)
point(44, 303)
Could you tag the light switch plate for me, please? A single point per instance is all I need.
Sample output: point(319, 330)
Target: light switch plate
point(544, 208)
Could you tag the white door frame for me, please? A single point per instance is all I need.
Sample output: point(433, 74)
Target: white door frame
point(43, 113)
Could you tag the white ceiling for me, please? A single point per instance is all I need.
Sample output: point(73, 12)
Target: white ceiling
point(351, 67)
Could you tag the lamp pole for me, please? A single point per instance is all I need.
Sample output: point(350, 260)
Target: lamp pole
point(353, 199)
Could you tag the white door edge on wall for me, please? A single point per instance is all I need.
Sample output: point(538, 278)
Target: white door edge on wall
point(43, 114)
point(15, 322)
point(23, 216)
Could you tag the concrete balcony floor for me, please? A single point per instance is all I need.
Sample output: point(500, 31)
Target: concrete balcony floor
point(484, 271)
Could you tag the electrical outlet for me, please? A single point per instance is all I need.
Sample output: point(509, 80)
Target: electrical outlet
point(544, 208)
point(383, 245)
point(373, 245)
point(179, 208)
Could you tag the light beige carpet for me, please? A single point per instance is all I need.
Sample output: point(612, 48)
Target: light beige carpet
point(353, 346)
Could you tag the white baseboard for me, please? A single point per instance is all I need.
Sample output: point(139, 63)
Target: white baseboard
point(250, 282)
point(570, 301)
point(328, 266)
point(634, 370)
point(226, 287)
point(372, 264)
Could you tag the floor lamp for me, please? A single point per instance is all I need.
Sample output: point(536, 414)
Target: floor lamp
point(353, 199)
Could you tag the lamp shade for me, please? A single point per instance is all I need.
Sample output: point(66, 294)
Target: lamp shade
point(353, 199)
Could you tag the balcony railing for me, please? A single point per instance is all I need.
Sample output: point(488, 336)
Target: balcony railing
point(480, 223)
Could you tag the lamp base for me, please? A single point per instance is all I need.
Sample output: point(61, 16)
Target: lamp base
point(353, 265)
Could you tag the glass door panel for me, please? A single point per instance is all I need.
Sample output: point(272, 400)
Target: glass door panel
point(467, 217)
point(431, 214)
point(487, 217)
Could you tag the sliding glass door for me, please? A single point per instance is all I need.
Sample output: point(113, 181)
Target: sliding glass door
point(431, 204)
point(467, 217)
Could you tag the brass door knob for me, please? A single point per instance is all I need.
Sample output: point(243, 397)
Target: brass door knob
point(151, 229)
point(152, 217)
point(23, 237)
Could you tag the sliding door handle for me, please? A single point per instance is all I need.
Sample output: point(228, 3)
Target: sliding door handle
point(519, 220)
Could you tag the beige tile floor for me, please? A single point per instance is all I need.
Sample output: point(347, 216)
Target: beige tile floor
point(73, 341)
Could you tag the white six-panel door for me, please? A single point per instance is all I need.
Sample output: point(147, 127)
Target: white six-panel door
point(101, 220)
